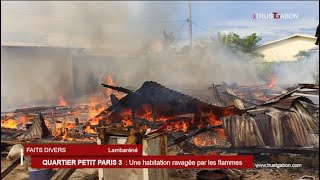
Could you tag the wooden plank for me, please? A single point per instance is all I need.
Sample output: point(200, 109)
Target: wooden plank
point(63, 174)
point(13, 165)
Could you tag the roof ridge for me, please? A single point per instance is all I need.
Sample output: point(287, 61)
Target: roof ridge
point(287, 37)
point(189, 96)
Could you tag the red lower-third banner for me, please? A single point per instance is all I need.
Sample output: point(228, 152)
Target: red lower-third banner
point(144, 162)
point(82, 150)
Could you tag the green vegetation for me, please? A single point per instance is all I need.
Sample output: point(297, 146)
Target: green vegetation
point(316, 76)
point(238, 44)
point(168, 38)
point(302, 55)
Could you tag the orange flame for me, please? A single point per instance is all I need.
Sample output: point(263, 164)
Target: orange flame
point(62, 102)
point(23, 120)
point(66, 137)
point(57, 129)
point(94, 110)
point(272, 81)
point(126, 122)
point(88, 129)
point(47, 124)
point(212, 119)
point(9, 123)
point(146, 112)
point(180, 125)
point(69, 125)
point(221, 133)
point(204, 139)
point(208, 139)
point(15, 123)
point(109, 82)
point(60, 128)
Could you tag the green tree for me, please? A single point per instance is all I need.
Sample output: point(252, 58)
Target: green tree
point(245, 44)
point(302, 55)
point(316, 77)
point(168, 38)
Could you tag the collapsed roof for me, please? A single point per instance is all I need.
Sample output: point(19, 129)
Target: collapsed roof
point(165, 102)
point(282, 121)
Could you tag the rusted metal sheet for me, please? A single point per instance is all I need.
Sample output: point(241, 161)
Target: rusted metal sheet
point(274, 129)
point(309, 120)
point(242, 131)
point(236, 101)
point(264, 125)
point(287, 102)
point(251, 95)
point(282, 122)
point(36, 131)
point(292, 90)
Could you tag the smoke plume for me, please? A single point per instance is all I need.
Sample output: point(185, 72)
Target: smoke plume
point(124, 39)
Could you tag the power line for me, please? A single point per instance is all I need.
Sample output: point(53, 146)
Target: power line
point(202, 28)
point(185, 21)
point(165, 21)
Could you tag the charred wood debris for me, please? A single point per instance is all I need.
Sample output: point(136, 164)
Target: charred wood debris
point(240, 119)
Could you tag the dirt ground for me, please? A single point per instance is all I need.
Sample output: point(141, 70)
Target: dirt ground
point(19, 173)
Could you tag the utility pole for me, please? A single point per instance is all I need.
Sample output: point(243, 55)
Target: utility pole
point(190, 25)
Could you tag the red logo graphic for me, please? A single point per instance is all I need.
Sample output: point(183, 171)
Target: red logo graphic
point(254, 16)
point(276, 15)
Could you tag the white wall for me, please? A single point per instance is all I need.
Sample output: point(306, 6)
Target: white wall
point(286, 50)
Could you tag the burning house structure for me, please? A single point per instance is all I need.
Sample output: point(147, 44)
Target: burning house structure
point(242, 120)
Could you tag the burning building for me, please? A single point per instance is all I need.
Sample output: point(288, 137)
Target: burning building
point(285, 123)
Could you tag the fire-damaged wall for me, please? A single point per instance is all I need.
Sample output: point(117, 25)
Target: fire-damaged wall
point(34, 74)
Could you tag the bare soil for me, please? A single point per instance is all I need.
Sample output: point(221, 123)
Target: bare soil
point(19, 173)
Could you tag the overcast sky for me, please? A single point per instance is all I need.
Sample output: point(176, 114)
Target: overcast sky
point(148, 19)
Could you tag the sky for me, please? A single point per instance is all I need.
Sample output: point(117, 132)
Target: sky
point(236, 16)
point(145, 19)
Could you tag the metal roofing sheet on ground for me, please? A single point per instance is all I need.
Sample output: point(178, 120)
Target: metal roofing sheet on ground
point(275, 129)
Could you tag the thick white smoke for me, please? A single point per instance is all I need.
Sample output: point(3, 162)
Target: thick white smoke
point(303, 71)
point(122, 32)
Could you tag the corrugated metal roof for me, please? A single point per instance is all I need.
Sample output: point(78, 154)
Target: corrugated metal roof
point(276, 128)
point(241, 131)
point(36, 131)
point(288, 102)
point(167, 102)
